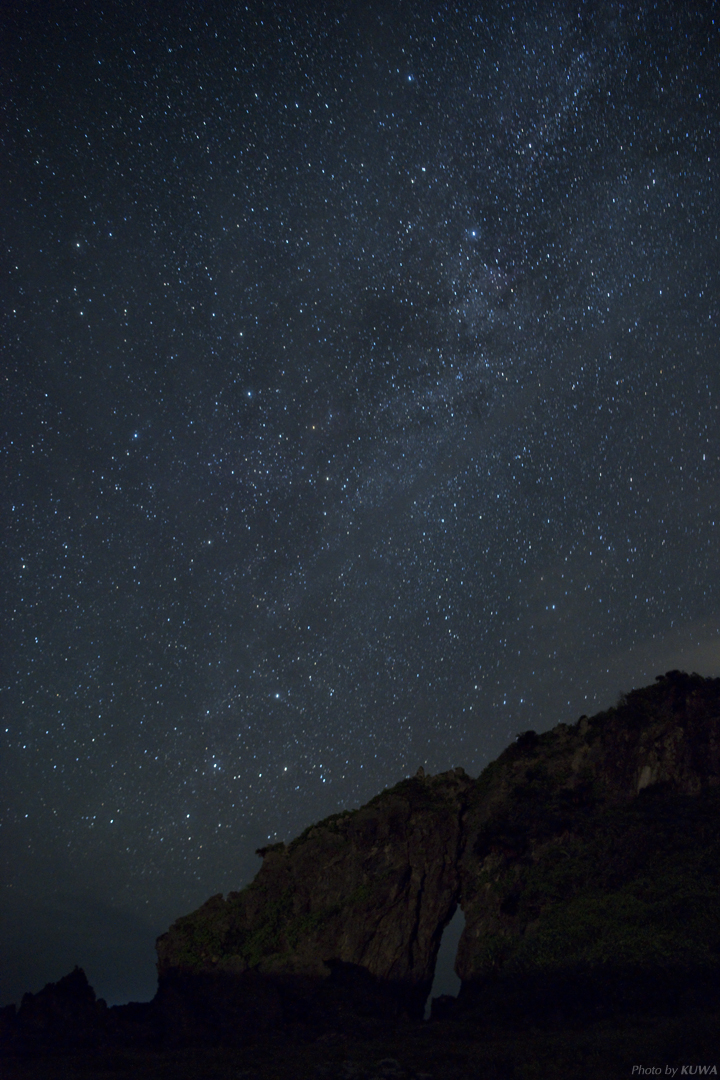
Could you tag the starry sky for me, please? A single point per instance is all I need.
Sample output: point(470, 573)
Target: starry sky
point(360, 411)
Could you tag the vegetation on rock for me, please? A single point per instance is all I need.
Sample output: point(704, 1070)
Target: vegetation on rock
point(591, 847)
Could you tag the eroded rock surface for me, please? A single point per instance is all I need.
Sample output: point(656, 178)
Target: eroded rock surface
point(372, 889)
point(567, 836)
point(558, 854)
point(586, 861)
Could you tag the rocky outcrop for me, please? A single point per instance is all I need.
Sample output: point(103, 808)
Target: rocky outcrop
point(586, 861)
point(595, 906)
point(574, 841)
point(65, 1014)
point(577, 850)
point(368, 892)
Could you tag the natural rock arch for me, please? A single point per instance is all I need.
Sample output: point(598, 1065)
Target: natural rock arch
point(360, 900)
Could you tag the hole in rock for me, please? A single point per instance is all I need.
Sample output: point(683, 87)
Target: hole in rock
point(445, 980)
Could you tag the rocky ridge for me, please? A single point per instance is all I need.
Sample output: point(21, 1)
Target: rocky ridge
point(586, 861)
point(577, 850)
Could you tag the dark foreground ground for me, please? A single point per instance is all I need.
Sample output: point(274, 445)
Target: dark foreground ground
point(441, 1050)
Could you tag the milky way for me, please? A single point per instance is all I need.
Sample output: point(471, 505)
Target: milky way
point(361, 411)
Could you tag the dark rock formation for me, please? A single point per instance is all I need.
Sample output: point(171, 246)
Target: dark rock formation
point(369, 891)
point(586, 861)
point(64, 1014)
point(586, 857)
point(579, 842)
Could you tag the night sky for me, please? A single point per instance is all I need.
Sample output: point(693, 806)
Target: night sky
point(361, 387)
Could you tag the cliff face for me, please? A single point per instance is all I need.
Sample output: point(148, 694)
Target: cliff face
point(595, 846)
point(591, 847)
point(373, 888)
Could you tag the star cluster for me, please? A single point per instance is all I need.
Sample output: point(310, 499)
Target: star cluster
point(360, 406)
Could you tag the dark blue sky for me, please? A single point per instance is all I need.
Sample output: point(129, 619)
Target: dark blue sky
point(361, 385)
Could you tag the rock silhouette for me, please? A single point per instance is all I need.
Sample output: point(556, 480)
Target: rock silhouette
point(63, 1014)
point(586, 861)
point(575, 856)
